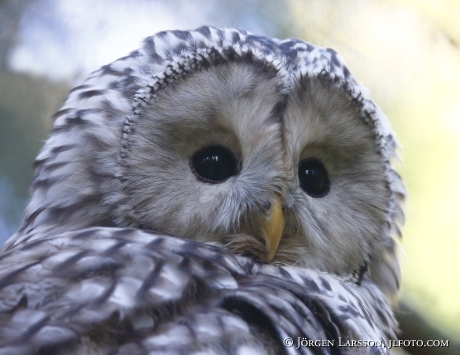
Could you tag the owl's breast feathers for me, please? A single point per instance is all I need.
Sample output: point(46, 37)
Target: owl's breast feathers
point(124, 291)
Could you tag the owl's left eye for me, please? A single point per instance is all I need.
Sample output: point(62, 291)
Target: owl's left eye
point(214, 164)
point(313, 178)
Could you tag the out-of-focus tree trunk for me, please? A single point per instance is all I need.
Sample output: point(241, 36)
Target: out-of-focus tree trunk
point(10, 14)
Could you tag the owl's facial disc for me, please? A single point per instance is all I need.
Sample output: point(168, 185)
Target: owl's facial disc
point(207, 160)
point(218, 152)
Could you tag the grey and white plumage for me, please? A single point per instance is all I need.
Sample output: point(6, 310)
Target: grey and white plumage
point(119, 157)
point(133, 292)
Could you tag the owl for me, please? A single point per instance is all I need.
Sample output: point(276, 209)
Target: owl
point(214, 192)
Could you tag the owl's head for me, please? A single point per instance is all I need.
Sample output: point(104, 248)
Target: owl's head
point(266, 147)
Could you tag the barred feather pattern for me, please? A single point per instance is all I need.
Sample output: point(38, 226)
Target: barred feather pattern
point(125, 291)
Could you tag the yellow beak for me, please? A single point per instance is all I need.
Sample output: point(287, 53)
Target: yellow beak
point(272, 228)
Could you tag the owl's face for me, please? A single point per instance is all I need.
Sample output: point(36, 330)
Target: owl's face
point(223, 152)
point(267, 147)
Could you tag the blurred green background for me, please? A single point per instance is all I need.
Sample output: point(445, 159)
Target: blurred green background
point(406, 52)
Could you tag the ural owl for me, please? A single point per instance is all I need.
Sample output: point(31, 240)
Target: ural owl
point(212, 192)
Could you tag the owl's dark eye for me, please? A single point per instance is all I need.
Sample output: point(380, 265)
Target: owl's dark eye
point(214, 164)
point(313, 178)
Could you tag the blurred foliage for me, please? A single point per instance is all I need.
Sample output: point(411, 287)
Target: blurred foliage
point(444, 15)
point(407, 52)
point(26, 106)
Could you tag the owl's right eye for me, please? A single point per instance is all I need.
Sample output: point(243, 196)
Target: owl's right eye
point(214, 164)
